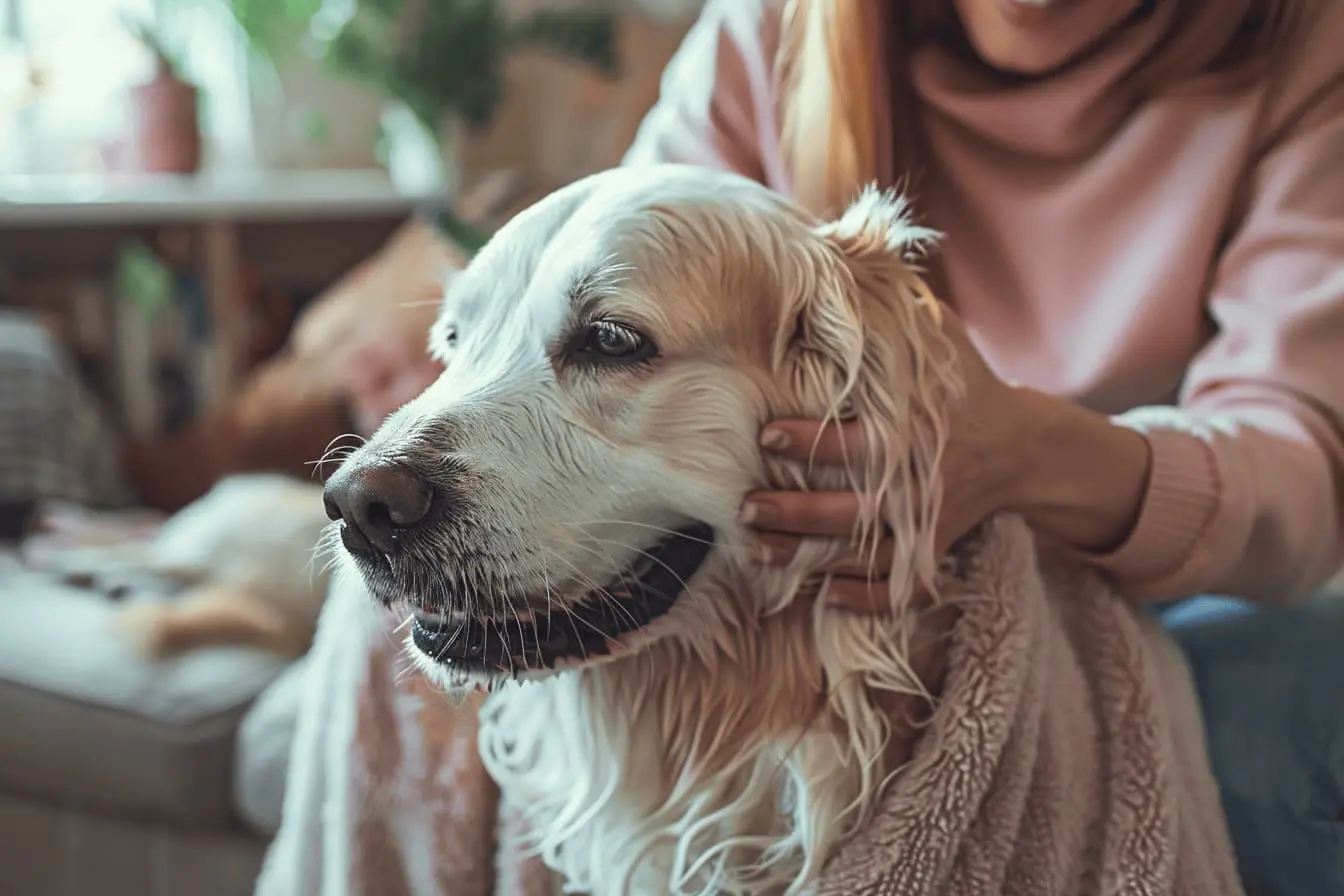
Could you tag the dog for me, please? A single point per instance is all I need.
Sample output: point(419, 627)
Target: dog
point(557, 517)
point(238, 563)
point(559, 514)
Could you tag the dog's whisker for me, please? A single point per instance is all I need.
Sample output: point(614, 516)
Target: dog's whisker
point(600, 591)
point(635, 523)
point(336, 444)
point(589, 584)
point(518, 619)
point(654, 557)
point(576, 618)
point(324, 549)
point(334, 453)
point(593, 587)
point(573, 617)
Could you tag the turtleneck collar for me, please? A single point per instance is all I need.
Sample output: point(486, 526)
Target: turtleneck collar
point(1063, 115)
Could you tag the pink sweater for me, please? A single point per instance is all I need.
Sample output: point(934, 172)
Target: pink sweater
point(1177, 261)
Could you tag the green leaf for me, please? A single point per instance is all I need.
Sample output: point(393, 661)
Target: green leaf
point(273, 28)
point(143, 280)
point(441, 58)
point(313, 124)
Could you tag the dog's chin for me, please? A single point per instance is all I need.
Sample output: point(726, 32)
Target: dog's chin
point(619, 619)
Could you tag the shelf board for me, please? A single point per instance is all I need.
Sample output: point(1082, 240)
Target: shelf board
point(63, 201)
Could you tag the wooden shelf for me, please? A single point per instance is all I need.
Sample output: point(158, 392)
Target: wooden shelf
point(54, 210)
point(44, 201)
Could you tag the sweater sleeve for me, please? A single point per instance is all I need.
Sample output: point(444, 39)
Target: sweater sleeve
point(1246, 489)
point(716, 105)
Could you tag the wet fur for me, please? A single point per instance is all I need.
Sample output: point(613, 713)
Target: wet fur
point(733, 744)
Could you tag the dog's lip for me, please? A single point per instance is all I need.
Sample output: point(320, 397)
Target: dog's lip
point(542, 641)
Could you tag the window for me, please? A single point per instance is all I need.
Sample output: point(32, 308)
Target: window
point(66, 68)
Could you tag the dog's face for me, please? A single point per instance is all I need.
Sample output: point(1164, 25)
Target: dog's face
point(570, 487)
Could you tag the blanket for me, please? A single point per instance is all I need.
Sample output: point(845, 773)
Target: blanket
point(1066, 756)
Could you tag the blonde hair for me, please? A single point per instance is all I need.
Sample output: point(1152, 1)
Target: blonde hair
point(829, 66)
point(834, 75)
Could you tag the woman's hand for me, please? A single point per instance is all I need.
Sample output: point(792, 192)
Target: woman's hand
point(1069, 471)
point(978, 467)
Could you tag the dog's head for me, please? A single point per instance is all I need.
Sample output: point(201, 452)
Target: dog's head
point(569, 490)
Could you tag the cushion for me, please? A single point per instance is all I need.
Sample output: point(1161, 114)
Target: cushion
point(263, 750)
point(53, 434)
point(87, 722)
point(396, 292)
point(279, 420)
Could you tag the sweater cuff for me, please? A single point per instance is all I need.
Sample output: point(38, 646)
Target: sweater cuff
point(1179, 504)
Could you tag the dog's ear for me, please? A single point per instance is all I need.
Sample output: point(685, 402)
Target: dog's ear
point(866, 343)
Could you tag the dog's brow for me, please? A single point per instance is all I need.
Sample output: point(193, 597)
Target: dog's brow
point(582, 290)
point(592, 282)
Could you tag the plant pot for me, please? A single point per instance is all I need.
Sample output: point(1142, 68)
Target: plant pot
point(419, 162)
point(165, 128)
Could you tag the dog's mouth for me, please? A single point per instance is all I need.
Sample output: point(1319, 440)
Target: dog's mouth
point(589, 630)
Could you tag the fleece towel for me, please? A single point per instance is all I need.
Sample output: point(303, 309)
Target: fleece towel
point(1066, 757)
point(386, 795)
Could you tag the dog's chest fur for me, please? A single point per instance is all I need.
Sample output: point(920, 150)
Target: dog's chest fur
point(672, 765)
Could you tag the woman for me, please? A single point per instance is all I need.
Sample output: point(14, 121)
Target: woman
point(1143, 205)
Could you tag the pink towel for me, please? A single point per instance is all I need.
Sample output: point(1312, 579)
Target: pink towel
point(1066, 757)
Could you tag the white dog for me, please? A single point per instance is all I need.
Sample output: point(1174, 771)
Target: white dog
point(559, 516)
point(562, 508)
point(240, 559)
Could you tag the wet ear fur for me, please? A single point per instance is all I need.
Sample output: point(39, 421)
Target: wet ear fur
point(867, 343)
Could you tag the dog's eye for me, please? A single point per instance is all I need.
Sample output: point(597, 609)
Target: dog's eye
point(607, 342)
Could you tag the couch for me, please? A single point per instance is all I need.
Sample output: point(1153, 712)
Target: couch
point(123, 776)
point(119, 776)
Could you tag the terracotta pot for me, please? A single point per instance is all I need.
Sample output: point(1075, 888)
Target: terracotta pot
point(166, 133)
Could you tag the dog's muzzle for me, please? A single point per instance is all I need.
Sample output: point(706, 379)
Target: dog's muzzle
point(382, 507)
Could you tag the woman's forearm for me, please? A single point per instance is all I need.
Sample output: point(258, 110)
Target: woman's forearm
point(1083, 478)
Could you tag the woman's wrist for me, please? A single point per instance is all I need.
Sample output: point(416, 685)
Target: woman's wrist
point(1081, 478)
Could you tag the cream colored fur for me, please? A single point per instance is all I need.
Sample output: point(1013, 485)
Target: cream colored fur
point(243, 556)
point(732, 745)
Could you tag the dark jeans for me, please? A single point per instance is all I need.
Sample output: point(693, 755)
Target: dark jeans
point(1271, 687)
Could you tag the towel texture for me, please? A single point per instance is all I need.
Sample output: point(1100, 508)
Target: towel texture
point(1066, 757)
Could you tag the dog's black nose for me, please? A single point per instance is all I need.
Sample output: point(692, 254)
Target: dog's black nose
point(377, 502)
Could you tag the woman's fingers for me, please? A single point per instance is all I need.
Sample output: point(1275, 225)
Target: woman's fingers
point(806, 513)
point(872, 561)
point(859, 595)
point(859, 580)
point(809, 440)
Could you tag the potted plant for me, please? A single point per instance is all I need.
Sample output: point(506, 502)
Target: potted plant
point(165, 123)
point(439, 63)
